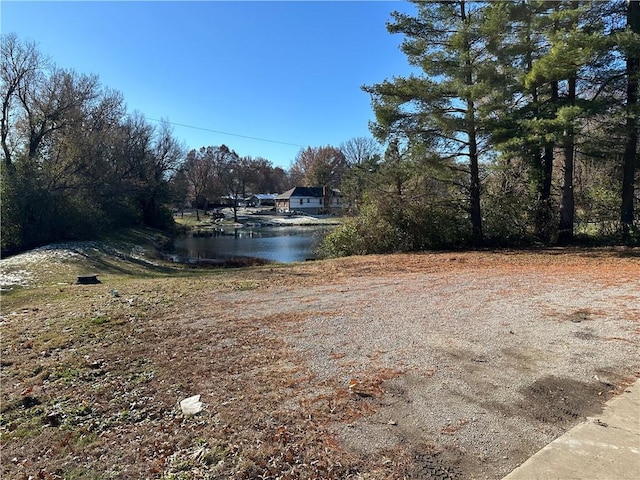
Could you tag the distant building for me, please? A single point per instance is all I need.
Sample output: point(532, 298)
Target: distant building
point(262, 200)
point(229, 201)
point(310, 200)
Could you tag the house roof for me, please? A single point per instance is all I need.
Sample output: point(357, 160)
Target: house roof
point(264, 196)
point(313, 192)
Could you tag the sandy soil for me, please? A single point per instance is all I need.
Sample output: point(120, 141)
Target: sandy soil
point(434, 366)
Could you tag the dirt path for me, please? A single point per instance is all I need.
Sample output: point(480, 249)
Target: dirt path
point(435, 366)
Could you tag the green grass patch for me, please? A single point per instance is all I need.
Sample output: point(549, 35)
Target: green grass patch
point(99, 320)
point(245, 285)
point(66, 373)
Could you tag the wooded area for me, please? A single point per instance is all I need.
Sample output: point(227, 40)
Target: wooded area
point(519, 126)
point(75, 162)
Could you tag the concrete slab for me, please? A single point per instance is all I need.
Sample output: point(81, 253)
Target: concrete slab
point(606, 447)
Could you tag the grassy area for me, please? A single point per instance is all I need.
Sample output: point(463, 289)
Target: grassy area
point(88, 371)
point(190, 220)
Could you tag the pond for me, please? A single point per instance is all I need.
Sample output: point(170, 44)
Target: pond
point(279, 244)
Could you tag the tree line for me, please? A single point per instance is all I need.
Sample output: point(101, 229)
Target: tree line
point(217, 175)
point(212, 173)
point(75, 164)
point(520, 125)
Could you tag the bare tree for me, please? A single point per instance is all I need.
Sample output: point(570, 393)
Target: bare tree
point(199, 172)
point(359, 150)
point(57, 102)
point(267, 178)
point(19, 66)
point(232, 174)
point(74, 163)
point(320, 166)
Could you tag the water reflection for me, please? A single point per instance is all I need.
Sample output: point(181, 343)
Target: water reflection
point(278, 244)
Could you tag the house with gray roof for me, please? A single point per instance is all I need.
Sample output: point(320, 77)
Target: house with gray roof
point(262, 200)
point(309, 200)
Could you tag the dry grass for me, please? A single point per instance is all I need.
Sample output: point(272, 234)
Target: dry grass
point(91, 375)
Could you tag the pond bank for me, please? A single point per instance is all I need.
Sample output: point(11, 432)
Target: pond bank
point(253, 218)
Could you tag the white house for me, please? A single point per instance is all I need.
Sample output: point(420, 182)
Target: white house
point(311, 200)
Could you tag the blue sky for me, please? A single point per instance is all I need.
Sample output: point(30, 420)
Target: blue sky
point(288, 72)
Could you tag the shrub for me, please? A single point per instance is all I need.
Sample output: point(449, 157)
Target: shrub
point(364, 234)
point(382, 228)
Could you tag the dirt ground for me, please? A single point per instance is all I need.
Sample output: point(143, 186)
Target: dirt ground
point(426, 366)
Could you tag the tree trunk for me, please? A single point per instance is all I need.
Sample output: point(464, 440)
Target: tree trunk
point(470, 117)
point(567, 206)
point(547, 178)
point(474, 193)
point(631, 128)
point(326, 194)
point(544, 171)
point(4, 129)
point(544, 226)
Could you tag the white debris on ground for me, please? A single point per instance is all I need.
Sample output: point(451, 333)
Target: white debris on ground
point(191, 405)
point(17, 270)
point(18, 278)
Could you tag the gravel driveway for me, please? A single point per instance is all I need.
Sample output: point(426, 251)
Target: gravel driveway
point(482, 365)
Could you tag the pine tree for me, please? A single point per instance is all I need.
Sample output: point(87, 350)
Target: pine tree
point(524, 126)
point(445, 107)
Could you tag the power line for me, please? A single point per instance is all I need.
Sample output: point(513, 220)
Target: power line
point(225, 133)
